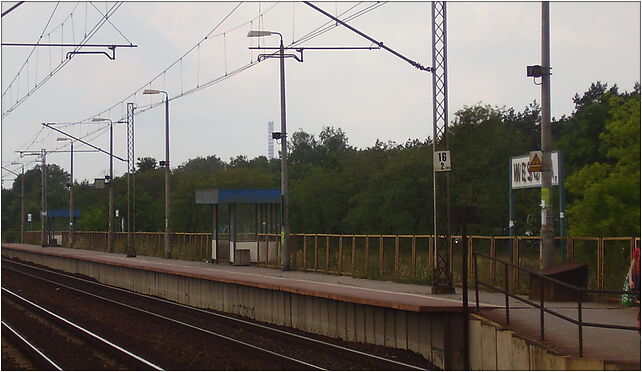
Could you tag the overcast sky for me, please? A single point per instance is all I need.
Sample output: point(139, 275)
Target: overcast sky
point(369, 94)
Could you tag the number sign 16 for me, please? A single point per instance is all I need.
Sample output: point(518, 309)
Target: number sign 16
point(442, 161)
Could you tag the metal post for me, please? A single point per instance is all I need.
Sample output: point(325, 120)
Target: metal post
point(43, 215)
point(547, 231)
point(168, 252)
point(560, 159)
point(215, 245)
point(511, 211)
point(541, 309)
point(476, 280)
point(131, 168)
point(579, 321)
point(464, 291)
point(442, 282)
point(285, 230)
point(506, 299)
point(110, 232)
point(71, 199)
point(22, 207)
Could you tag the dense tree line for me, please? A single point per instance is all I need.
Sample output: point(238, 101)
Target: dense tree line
point(387, 188)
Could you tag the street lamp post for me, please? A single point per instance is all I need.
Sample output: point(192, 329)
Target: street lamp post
point(71, 193)
point(110, 233)
point(285, 229)
point(168, 252)
point(22, 203)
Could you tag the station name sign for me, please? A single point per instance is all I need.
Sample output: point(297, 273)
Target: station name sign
point(522, 178)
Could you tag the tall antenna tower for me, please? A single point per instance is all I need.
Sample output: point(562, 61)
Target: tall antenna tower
point(270, 140)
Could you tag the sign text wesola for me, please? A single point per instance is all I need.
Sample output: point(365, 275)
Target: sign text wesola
point(522, 178)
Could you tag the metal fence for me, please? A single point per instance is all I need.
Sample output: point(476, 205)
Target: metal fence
point(410, 258)
point(406, 258)
point(579, 295)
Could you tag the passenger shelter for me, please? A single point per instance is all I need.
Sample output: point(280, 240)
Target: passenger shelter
point(255, 210)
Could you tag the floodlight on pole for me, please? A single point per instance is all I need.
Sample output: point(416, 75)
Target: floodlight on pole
point(168, 252)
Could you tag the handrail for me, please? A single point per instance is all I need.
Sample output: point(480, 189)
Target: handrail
point(580, 291)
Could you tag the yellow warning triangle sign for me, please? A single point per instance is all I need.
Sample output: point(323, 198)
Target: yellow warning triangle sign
point(535, 163)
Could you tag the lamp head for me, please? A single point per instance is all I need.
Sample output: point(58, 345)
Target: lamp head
point(100, 119)
point(63, 139)
point(259, 33)
point(151, 91)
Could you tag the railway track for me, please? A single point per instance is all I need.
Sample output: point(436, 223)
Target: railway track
point(294, 350)
point(51, 338)
point(32, 358)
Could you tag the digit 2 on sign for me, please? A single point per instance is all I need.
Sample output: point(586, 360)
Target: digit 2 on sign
point(442, 161)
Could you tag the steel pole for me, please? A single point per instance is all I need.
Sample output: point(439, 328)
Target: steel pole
point(547, 233)
point(71, 199)
point(168, 252)
point(110, 237)
point(285, 230)
point(44, 234)
point(22, 207)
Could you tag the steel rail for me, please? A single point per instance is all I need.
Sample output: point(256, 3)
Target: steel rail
point(83, 330)
point(31, 347)
point(276, 330)
point(227, 338)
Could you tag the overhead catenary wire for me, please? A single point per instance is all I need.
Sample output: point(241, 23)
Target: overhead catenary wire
point(32, 50)
point(116, 28)
point(228, 74)
point(259, 18)
point(53, 71)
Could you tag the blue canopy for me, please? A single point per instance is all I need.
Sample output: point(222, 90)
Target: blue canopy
point(247, 196)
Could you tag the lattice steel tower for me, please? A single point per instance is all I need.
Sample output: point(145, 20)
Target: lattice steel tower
point(442, 281)
point(131, 169)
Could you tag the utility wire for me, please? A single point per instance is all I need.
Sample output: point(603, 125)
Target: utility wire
point(33, 49)
point(95, 29)
point(12, 8)
point(379, 43)
point(116, 28)
point(143, 108)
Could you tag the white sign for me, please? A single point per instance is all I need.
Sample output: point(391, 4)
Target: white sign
point(116, 212)
point(522, 178)
point(28, 217)
point(442, 161)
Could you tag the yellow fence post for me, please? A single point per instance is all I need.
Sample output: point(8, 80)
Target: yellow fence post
point(397, 256)
point(414, 255)
point(354, 255)
point(381, 254)
point(367, 268)
point(316, 252)
point(340, 255)
point(305, 251)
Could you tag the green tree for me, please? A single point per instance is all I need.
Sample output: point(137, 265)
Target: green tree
point(607, 193)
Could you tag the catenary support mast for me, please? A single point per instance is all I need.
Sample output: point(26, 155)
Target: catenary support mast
point(442, 282)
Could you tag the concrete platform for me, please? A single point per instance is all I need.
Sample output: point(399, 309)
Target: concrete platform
point(386, 313)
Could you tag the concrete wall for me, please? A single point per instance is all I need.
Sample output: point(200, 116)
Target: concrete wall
point(429, 334)
point(493, 347)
